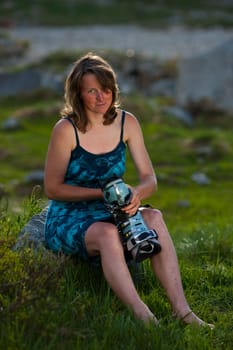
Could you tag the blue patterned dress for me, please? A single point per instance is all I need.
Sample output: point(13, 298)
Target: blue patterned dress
point(67, 222)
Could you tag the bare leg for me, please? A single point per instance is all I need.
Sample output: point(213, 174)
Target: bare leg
point(166, 269)
point(102, 238)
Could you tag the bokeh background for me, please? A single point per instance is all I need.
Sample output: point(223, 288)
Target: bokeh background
point(174, 63)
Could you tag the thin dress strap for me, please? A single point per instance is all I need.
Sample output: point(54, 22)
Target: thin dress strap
point(75, 129)
point(122, 125)
point(76, 133)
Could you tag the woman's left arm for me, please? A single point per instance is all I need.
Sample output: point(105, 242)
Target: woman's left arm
point(147, 178)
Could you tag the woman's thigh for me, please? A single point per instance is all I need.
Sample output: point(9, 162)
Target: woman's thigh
point(100, 234)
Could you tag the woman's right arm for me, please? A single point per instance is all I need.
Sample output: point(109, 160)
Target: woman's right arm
point(62, 142)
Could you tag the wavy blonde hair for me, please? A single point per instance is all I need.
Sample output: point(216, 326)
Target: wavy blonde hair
point(73, 106)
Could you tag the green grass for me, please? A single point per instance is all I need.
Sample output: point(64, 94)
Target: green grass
point(56, 302)
point(146, 13)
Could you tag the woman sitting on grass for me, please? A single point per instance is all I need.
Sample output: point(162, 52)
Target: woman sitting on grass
point(88, 146)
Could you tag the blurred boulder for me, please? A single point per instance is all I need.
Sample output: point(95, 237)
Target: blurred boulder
point(12, 48)
point(200, 178)
point(29, 80)
point(35, 177)
point(207, 78)
point(32, 180)
point(24, 81)
point(11, 124)
point(163, 87)
point(32, 234)
point(183, 203)
point(179, 114)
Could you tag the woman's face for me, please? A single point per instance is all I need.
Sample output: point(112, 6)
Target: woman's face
point(95, 98)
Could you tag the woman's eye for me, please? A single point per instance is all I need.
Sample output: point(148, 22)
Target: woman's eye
point(91, 91)
point(107, 91)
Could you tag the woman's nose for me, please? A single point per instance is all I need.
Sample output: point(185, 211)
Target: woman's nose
point(100, 95)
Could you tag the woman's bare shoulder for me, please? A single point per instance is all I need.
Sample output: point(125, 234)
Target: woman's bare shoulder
point(132, 126)
point(63, 126)
point(63, 130)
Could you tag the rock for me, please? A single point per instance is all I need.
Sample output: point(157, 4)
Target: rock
point(183, 203)
point(11, 124)
point(35, 177)
point(29, 80)
point(200, 178)
point(10, 47)
point(204, 150)
point(32, 234)
point(208, 78)
point(19, 82)
point(34, 180)
point(178, 113)
point(163, 87)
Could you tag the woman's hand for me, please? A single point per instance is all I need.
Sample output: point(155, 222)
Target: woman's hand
point(134, 204)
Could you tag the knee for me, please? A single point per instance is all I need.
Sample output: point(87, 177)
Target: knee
point(109, 237)
point(103, 237)
point(152, 215)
